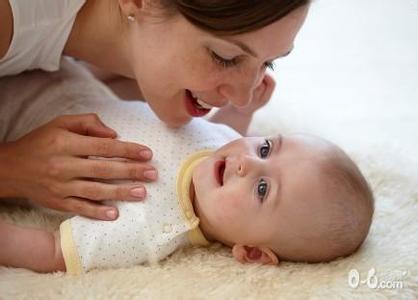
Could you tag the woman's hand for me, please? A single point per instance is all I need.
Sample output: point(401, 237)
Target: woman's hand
point(240, 118)
point(50, 166)
point(261, 96)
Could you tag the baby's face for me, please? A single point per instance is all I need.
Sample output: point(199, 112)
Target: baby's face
point(256, 190)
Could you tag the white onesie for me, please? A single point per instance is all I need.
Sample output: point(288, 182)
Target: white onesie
point(145, 231)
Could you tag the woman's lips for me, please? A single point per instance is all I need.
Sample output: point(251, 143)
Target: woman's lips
point(219, 171)
point(193, 108)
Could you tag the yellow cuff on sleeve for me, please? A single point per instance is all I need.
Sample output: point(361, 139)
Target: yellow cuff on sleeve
point(69, 251)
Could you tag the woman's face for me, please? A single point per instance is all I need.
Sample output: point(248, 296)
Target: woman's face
point(184, 71)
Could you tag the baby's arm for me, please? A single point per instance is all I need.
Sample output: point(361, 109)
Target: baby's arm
point(239, 118)
point(35, 249)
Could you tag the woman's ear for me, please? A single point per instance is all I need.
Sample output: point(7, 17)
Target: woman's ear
point(254, 254)
point(130, 7)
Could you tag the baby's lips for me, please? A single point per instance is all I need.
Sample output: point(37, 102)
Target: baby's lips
point(220, 171)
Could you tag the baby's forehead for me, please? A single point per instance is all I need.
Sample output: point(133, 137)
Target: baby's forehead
point(312, 141)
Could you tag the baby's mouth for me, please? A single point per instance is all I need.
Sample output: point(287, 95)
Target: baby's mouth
point(219, 171)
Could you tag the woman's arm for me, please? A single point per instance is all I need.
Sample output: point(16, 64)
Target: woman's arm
point(34, 249)
point(7, 188)
point(6, 26)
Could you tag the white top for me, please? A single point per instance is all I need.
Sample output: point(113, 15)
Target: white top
point(40, 31)
point(145, 231)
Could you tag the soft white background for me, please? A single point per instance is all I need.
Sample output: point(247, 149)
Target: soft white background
point(352, 78)
point(354, 66)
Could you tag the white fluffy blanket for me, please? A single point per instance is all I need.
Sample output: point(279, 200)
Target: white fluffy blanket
point(353, 79)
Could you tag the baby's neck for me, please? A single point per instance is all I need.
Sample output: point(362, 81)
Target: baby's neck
point(198, 212)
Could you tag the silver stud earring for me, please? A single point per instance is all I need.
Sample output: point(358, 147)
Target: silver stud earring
point(131, 18)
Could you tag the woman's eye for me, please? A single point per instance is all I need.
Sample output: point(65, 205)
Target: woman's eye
point(262, 188)
point(225, 63)
point(265, 149)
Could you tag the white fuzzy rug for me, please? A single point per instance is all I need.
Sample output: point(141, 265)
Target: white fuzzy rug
point(353, 78)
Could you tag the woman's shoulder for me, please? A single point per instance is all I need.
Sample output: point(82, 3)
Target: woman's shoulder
point(35, 33)
point(6, 27)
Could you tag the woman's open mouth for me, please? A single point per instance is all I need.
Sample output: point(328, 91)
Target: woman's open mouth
point(219, 171)
point(196, 107)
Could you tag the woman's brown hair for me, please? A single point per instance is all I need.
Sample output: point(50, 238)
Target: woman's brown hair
point(229, 17)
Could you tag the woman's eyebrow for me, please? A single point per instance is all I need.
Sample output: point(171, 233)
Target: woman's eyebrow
point(244, 47)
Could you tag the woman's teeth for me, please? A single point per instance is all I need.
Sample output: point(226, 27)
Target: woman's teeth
point(201, 103)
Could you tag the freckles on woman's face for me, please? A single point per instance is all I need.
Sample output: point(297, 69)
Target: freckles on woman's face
point(184, 72)
point(171, 66)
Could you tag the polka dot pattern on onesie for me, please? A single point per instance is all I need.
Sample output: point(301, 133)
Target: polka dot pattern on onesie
point(149, 230)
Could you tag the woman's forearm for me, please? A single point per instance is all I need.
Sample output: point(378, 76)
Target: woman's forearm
point(29, 248)
point(7, 185)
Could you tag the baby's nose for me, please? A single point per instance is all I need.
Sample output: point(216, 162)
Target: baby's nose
point(244, 163)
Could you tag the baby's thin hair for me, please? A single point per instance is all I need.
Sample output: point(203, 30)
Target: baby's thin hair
point(350, 206)
point(353, 205)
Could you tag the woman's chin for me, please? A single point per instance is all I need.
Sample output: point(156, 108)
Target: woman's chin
point(176, 123)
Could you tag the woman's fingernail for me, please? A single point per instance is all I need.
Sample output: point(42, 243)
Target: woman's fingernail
point(138, 192)
point(111, 214)
point(150, 174)
point(147, 154)
point(110, 130)
point(114, 133)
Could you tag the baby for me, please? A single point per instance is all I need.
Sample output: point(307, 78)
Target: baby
point(287, 197)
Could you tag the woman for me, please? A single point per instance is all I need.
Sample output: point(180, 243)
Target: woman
point(186, 57)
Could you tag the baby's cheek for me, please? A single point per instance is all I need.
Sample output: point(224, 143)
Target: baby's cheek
point(229, 209)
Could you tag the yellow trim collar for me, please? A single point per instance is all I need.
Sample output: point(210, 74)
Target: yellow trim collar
point(183, 182)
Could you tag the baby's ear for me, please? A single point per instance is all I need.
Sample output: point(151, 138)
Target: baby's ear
point(254, 254)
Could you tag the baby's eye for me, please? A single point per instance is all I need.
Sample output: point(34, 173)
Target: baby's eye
point(265, 149)
point(262, 188)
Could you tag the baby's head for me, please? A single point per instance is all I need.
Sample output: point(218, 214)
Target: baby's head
point(291, 197)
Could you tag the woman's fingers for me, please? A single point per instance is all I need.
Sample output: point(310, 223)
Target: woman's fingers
point(60, 165)
point(87, 139)
point(110, 169)
point(99, 191)
point(270, 84)
point(85, 124)
point(89, 209)
point(93, 146)
point(263, 92)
